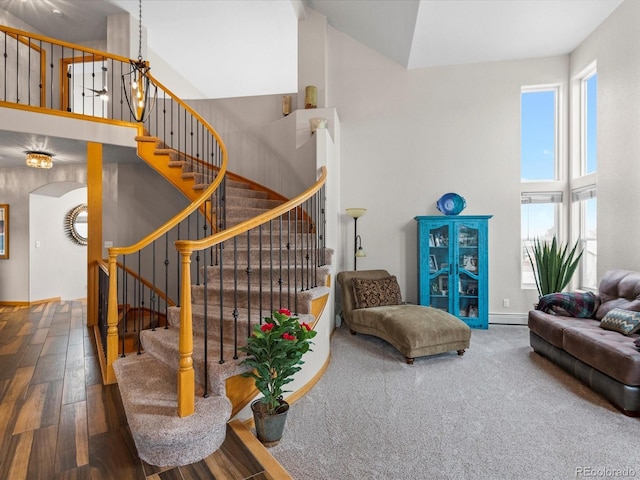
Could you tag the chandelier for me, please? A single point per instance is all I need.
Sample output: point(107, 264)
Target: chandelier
point(139, 90)
point(39, 159)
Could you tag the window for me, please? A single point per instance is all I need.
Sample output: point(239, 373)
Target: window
point(538, 216)
point(589, 110)
point(541, 190)
point(538, 134)
point(584, 180)
point(589, 244)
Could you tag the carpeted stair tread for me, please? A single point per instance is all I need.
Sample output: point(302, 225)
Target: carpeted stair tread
point(304, 298)
point(146, 139)
point(148, 390)
point(252, 202)
point(162, 344)
point(239, 189)
point(255, 258)
point(229, 325)
point(259, 276)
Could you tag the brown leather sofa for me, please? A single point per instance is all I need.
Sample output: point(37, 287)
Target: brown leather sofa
point(605, 360)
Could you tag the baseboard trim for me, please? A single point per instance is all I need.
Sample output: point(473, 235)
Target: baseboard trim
point(508, 318)
point(10, 303)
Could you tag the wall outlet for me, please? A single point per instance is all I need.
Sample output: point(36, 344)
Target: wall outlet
point(108, 244)
point(505, 302)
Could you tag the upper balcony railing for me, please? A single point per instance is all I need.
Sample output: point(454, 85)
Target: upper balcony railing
point(37, 72)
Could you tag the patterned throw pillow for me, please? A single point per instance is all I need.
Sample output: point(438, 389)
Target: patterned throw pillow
point(623, 321)
point(376, 293)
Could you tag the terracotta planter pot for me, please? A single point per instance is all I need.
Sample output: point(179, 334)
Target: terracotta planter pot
point(269, 428)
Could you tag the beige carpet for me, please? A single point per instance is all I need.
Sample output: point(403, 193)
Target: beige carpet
point(499, 412)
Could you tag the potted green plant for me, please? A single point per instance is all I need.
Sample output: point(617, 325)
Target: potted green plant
point(553, 265)
point(275, 351)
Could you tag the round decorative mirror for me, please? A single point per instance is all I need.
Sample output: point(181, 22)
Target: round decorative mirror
point(75, 224)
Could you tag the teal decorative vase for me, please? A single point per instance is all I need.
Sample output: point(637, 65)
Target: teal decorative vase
point(269, 428)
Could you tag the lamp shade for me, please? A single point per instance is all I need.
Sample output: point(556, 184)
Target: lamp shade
point(356, 212)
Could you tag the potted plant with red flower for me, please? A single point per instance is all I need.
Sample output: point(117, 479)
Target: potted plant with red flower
point(275, 351)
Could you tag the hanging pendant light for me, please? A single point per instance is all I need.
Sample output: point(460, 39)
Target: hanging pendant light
point(139, 89)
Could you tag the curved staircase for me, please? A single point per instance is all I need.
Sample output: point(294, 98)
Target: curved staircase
point(244, 284)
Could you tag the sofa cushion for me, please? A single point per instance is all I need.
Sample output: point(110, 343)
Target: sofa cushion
point(618, 289)
point(551, 327)
point(622, 321)
point(369, 293)
point(607, 351)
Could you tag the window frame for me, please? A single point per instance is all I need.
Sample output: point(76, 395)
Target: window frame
point(584, 77)
point(582, 185)
point(553, 197)
point(579, 197)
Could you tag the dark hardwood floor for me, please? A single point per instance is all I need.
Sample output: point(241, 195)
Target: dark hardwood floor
point(57, 420)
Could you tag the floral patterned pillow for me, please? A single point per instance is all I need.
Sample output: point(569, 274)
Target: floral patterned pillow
point(376, 293)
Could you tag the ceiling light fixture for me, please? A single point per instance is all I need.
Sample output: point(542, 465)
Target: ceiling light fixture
point(39, 159)
point(137, 85)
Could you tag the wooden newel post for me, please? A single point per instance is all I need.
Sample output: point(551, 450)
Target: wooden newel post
point(186, 376)
point(112, 320)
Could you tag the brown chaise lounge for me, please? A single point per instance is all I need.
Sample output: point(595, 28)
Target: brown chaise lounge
point(414, 330)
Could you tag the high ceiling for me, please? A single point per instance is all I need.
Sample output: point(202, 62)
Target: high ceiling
point(255, 39)
point(249, 47)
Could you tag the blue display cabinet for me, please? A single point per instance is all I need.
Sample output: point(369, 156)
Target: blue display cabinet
point(453, 266)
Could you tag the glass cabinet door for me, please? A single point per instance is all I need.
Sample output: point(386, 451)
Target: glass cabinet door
point(453, 266)
point(468, 269)
point(439, 267)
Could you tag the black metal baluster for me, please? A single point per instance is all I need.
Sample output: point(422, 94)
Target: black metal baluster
point(235, 297)
point(205, 326)
point(249, 280)
point(221, 296)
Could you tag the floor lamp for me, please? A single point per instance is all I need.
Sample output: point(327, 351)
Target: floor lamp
point(356, 213)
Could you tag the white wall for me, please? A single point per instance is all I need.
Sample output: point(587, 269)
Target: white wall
point(136, 200)
point(409, 136)
point(15, 186)
point(457, 129)
point(57, 265)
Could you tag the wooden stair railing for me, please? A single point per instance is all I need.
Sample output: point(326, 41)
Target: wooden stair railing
point(186, 376)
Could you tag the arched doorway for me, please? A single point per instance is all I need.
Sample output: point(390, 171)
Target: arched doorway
point(57, 264)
